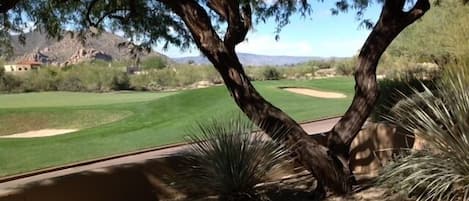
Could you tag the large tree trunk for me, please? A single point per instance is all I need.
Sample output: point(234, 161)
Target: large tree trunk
point(391, 22)
point(326, 167)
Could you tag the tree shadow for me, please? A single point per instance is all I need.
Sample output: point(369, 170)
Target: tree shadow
point(149, 180)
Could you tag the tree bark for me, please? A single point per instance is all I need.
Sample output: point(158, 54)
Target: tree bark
point(325, 167)
point(392, 21)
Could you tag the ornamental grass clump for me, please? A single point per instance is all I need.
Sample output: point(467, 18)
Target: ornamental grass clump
point(441, 119)
point(227, 159)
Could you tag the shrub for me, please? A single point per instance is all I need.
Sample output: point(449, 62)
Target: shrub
point(440, 172)
point(228, 160)
point(8, 82)
point(391, 91)
point(44, 79)
point(271, 73)
point(70, 82)
point(154, 62)
point(120, 81)
point(346, 67)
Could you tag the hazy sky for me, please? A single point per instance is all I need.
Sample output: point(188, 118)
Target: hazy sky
point(322, 35)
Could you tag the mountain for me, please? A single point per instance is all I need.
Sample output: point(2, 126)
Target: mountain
point(254, 60)
point(70, 50)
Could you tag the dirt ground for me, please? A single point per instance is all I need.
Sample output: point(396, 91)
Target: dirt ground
point(315, 93)
point(40, 133)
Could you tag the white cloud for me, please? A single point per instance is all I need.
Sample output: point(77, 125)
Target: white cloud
point(28, 27)
point(338, 47)
point(270, 1)
point(267, 45)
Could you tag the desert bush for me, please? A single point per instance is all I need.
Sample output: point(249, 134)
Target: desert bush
point(93, 78)
point(346, 67)
point(271, 73)
point(154, 62)
point(70, 82)
point(392, 91)
point(255, 73)
point(8, 82)
point(175, 77)
point(120, 81)
point(440, 172)
point(154, 80)
point(227, 159)
point(45, 79)
point(322, 64)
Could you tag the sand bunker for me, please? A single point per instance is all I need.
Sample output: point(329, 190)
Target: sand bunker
point(40, 133)
point(315, 93)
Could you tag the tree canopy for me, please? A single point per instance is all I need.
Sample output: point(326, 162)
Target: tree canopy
point(216, 27)
point(148, 22)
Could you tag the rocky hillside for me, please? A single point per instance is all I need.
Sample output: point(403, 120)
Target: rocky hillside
point(70, 50)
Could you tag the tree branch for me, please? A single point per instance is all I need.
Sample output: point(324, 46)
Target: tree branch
point(392, 21)
point(418, 10)
point(106, 14)
point(7, 5)
point(239, 20)
point(219, 7)
point(88, 13)
point(327, 168)
point(395, 6)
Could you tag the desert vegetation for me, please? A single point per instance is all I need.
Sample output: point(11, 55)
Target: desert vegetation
point(99, 76)
point(227, 160)
point(439, 170)
point(434, 111)
point(437, 111)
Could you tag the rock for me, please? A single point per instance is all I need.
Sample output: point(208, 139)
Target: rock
point(202, 84)
point(328, 72)
point(87, 54)
point(37, 56)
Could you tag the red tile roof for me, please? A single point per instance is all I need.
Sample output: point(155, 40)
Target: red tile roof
point(29, 63)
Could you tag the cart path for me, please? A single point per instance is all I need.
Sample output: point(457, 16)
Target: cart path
point(14, 182)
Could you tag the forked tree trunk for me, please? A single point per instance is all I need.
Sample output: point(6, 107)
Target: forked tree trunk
point(327, 164)
point(391, 22)
point(328, 169)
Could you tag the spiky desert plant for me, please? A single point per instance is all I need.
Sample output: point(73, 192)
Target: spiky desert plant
point(229, 160)
point(441, 118)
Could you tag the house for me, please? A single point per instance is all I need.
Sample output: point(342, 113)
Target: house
point(22, 66)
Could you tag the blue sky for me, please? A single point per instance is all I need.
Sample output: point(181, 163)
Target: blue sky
point(322, 34)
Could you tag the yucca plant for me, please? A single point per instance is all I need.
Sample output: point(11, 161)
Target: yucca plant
point(226, 158)
point(441, 118)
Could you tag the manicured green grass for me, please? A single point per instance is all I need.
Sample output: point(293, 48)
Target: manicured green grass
point(18, 122)
point(157, 122)
point(62, 99)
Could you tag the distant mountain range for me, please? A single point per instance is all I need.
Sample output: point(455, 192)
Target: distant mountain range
point(69, 50)
point(255, 60)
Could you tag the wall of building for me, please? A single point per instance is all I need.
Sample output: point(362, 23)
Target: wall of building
point(19, 67)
